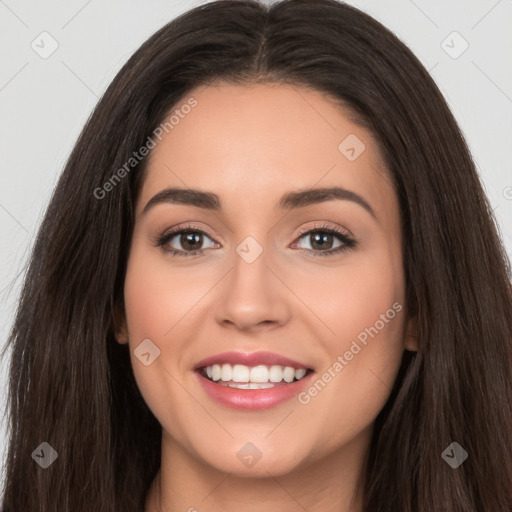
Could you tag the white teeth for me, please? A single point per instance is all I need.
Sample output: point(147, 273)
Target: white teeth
point(250, 385)
point(236, 385)
point(276, 374)
point(259, 374)
point(215, 372)
point(299, 373)
point(240, 373)
point(260, 385)
point(257, 377)
point(289, 374)
point(226, 372)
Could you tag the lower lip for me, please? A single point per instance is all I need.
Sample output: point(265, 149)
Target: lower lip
point(253, 399)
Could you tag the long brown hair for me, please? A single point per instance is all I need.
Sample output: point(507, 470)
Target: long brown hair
point(71, 384)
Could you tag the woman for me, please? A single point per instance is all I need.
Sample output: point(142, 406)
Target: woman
point(267, 279)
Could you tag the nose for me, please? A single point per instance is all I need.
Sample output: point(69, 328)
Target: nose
point(252, 297)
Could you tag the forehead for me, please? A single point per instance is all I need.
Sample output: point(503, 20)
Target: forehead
point(261, 140)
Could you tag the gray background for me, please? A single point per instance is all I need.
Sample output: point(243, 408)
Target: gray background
point(45, 102)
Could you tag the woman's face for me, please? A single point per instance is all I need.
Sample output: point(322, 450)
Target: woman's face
point(270, 281)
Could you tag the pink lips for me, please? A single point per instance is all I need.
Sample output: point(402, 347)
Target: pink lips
point(251, 399)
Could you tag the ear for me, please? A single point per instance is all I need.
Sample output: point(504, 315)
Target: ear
point(120, 329)
point(411, 334)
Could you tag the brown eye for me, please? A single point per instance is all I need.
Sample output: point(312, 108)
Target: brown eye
point(191, 241)
point(185, 242)
point(319, 241)
point(324, 241)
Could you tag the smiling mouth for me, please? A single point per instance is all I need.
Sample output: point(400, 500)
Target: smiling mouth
point(240, 376)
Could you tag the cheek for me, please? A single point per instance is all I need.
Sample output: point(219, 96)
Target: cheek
point(159, 295)
point(151, 310)
point(351, 298)
point(363, 307)
point(159, 306)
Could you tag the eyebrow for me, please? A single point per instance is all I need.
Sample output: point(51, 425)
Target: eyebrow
point(289, 201)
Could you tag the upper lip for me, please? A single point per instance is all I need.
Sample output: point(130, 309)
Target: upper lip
point(250, 359)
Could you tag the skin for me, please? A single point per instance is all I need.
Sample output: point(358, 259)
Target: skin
point(250, 145)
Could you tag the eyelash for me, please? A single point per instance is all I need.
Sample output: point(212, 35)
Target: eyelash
point(347, 241)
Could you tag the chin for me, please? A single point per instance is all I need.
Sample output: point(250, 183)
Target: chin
point(258, 459)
